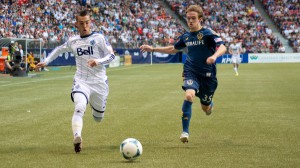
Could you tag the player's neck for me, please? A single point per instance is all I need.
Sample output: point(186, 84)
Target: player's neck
point(86, 35)
point(196, 29)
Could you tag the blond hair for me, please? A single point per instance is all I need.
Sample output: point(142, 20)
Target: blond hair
point(197, 9)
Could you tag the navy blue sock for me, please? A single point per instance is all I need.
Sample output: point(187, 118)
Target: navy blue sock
point(186, 115)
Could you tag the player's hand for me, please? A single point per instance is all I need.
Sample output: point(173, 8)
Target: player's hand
point(146, 48)
point(40, 65)
point(92, 63)
point(211, 60)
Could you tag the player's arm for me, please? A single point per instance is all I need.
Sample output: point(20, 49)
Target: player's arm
point(220, 51)
point(7, 65)
point(230, 50)
point(108, 54)
point(241, 49)
point(215, 41)
point(166, 50)
point(53, 55)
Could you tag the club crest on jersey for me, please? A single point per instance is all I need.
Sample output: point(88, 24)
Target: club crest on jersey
point(189, 82)
point(92, 42)
point(199, 36)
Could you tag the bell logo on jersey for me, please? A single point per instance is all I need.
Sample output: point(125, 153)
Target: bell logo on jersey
point(88, 51)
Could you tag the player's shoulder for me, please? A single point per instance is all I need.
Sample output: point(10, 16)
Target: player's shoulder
point(97, 34)
point(72, 38)
point(185, 35)
point(209, 31)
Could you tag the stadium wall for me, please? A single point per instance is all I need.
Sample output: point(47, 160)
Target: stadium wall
point(274, 58)
point(136, 57)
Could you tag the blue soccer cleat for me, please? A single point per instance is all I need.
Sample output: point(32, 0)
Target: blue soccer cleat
point(211, 109)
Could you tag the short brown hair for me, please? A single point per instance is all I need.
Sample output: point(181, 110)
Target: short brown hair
point(195, 8)
point(83, 13)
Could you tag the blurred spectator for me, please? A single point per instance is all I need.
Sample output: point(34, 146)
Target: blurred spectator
point(17, 69)
point(53, 21)
point(234, 19)
point(21, 50)
point(31, 63)
point(281, 49)
point(286, 15)
point(130, 23)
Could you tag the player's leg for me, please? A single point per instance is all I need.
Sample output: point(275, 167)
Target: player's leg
point(206, 92)
point(238, 61)
point(235, 66)
point(190, 90)
point(98, 100)
point(80, 96)
point(98, 106)
point(80, 102)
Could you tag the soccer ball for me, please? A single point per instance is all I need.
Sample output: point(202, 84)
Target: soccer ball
point(131, 149)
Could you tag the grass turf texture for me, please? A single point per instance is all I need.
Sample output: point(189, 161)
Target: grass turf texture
point(255, 123)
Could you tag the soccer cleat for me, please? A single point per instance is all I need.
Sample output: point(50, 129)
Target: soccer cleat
point(211, 109)
point(77, 144)
point(184, 137)
point(237, 74)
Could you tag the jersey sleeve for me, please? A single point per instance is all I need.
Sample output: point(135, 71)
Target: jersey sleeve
point(179, 45)
point(214, 39)
point(56, 52)
point(108, 52)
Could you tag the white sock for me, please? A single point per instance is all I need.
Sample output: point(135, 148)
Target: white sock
point(80, 107)
point(235, 69)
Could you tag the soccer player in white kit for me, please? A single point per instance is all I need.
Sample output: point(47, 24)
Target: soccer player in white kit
point(235, 50)
point(92, 51)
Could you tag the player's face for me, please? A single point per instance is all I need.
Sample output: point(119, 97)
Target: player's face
point(193, 21)
point(83, 25)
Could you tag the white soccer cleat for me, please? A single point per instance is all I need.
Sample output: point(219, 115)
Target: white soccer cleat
point(184, 137)
point(77, 144)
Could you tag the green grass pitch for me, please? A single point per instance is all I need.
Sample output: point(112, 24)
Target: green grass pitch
point(255, 123)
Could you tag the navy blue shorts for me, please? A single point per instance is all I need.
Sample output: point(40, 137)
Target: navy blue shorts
point(205, 87)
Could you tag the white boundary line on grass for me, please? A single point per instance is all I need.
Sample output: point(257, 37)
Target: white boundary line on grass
point(46, 79)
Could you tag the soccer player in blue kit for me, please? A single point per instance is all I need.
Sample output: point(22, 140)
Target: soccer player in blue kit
point(199, 71)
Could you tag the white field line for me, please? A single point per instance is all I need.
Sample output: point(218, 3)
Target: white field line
point(67, 76)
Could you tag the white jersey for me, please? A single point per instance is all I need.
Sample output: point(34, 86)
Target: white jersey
point(235, 49)
point(93, 46)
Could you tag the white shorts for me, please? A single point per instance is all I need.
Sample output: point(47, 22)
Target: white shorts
point(236, 59)
point(95, 93)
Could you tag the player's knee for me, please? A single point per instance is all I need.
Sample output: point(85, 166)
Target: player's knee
point(189, 96)
point(80, 109)
point(98, 115)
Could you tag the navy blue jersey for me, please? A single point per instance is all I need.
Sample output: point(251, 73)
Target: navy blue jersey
point(201, 45)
